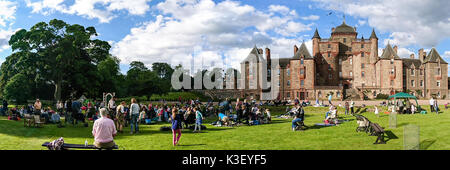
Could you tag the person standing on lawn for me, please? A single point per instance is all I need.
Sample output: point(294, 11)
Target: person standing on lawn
point(436, 106)
point(432, 104)
point(37, 107)
point(120, 117)
point(198, 120)
point(346, 106)
point(176, 126)
point(134, 115)
point(329, 99)
point(352, 105)
point(104, 131)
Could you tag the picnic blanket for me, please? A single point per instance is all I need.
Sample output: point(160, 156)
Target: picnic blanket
point(323, 124)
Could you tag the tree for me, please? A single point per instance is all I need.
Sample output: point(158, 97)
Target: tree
point(141, 81)
point(61, 54)
point(17, 89)
point(109, 72)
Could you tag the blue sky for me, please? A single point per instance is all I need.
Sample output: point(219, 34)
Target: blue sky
point(207, 33)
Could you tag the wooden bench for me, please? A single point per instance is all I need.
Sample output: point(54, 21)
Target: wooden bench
point(78, 146)
point(378, 131)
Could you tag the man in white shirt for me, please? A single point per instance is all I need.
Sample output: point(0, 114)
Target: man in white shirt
point(432, 104)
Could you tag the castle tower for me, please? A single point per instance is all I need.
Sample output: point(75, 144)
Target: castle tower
point(316, 38)
point(373, 47)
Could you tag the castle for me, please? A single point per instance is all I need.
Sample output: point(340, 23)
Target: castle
point(346, 66)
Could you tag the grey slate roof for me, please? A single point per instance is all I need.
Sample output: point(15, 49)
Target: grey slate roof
point(408, 62)
point(434, 56)
point(302, 51)
point(344, 28)
point(373, 34)
point(256, 53)
point(389, 53)
point(316, 34)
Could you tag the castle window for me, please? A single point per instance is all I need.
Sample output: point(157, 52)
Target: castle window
point(329, 54)
point(330, 76)
point(438, 83)
point(340, 61)
point(301, 61)
point(392, 61)
point(345, 40)
point(362, 65)
point(288, 72)
point(338, 94)
point(288, 83)
point(421, 83)
point(412, 72)
point(362, 45)
point(302, 83)
point(329, 45)
point(329, 67)
point(438, 94)
point(302, 71)
point(421, 72)
point(438, 72)
point(362, 74)
point(351, 61)
point(288, 95)
point(412, 83)
point(340, 74)
point(362, 54)
point(350, 49)
point(278, 71)
point(351, 74)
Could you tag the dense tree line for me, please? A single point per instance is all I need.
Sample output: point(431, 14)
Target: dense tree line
point(57, 61)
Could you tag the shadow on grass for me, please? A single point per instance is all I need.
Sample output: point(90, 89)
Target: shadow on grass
point(192, 145)
point(425, 144)
point(390, 135)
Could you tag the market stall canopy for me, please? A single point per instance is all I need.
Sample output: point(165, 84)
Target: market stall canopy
point(402, 96)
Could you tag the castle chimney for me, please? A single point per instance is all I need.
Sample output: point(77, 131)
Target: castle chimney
point(295, 49)
point(395, 49)
point(268, 54)
point(421, 56)
point(411, 56)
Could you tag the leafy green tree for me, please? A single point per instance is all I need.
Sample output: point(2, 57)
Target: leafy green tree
point(60, 54)
point(17, 89)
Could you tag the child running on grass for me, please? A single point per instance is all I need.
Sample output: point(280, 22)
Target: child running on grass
point(176, 126)
point(198, 120)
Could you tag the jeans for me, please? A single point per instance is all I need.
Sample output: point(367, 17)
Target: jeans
point(68, 117)
point(134, 122)
point(326, 115)
point(294, 122)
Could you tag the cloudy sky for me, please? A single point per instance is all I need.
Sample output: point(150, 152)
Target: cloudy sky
point(222, 32)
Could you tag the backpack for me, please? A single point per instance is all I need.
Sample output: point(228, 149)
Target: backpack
point(56, 144)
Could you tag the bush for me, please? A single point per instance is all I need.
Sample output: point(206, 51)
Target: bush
point(382, 96)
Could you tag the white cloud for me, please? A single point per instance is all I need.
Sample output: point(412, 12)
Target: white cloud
point(361, 22)
point(411, 22)
point(7, 12)
point(446, 54)
point(4, 38)
point(221, 33)
point(103, 10)
point(311, 17)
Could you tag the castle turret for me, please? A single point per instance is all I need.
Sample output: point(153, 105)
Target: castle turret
point(316, 38)
point(373, 47)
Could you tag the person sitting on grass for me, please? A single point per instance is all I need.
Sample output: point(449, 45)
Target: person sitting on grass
point(298, 118)
point(104, 131)
point(56, 118)
point(332, 117)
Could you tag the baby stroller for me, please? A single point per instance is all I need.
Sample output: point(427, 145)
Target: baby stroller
point(363, 124)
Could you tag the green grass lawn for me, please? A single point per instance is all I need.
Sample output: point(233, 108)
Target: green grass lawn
point(434, 135)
